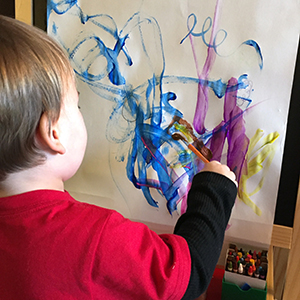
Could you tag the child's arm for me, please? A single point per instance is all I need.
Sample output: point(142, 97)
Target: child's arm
point(210, 201)
point(216, 167)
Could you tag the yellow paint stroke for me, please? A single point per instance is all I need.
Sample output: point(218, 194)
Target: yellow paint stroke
point(184, 131)
point(257, 161)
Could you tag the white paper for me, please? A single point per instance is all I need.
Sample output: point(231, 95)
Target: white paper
point(128, 55)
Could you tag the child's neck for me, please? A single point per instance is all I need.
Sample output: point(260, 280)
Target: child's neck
point(30, 180)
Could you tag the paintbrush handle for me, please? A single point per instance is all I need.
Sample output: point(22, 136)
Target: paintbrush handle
point(198, 153)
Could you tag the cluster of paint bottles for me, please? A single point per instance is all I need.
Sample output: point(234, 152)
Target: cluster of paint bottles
point(248, 263)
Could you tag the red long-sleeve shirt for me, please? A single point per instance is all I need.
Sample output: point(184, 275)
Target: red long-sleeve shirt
point(54, 247)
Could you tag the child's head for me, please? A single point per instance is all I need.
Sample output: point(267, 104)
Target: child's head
point(34, 77)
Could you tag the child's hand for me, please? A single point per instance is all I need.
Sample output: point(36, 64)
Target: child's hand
point(215, 166)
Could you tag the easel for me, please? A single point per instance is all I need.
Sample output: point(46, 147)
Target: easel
point(286, 238)
point(283, 238)
point(292, 289)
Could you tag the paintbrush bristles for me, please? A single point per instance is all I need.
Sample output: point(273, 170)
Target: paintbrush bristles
point(179, 136)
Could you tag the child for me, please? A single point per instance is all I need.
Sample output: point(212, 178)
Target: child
point(54, 247)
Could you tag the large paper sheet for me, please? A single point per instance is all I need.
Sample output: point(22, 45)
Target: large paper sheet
point(145, 69)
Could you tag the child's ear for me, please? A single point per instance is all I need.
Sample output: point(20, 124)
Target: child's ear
point(48, 135)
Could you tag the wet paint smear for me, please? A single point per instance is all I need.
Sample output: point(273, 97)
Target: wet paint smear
point(142, 114)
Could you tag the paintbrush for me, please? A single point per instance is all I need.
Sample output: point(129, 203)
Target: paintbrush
point(180, 136)
point(180, 129)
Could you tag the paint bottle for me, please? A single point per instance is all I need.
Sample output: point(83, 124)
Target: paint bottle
point(258, 262)
point(240, 269)
point(229, 259)
point(235, 266)
point(232, 247)
point(264, 265)
point(229, 266)
point(254, 255)
point(244, 268)
point(264, 259)
point(250, 271)
point(248, 265)
point(254, 268)
point(264, 253)
point(262, 274)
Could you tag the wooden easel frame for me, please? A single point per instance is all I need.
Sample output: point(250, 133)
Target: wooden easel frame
point(292, 287)
point(23, 11)
point(288, 238)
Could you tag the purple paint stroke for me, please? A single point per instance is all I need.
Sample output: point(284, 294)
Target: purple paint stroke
point(238, 141)
point(202, 97)
point(233, 129)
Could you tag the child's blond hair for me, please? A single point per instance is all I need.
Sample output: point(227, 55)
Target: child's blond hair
point(34, 76)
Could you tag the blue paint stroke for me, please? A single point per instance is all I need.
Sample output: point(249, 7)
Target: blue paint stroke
point(206, 27)
point(59, 7)
point(141, 114)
